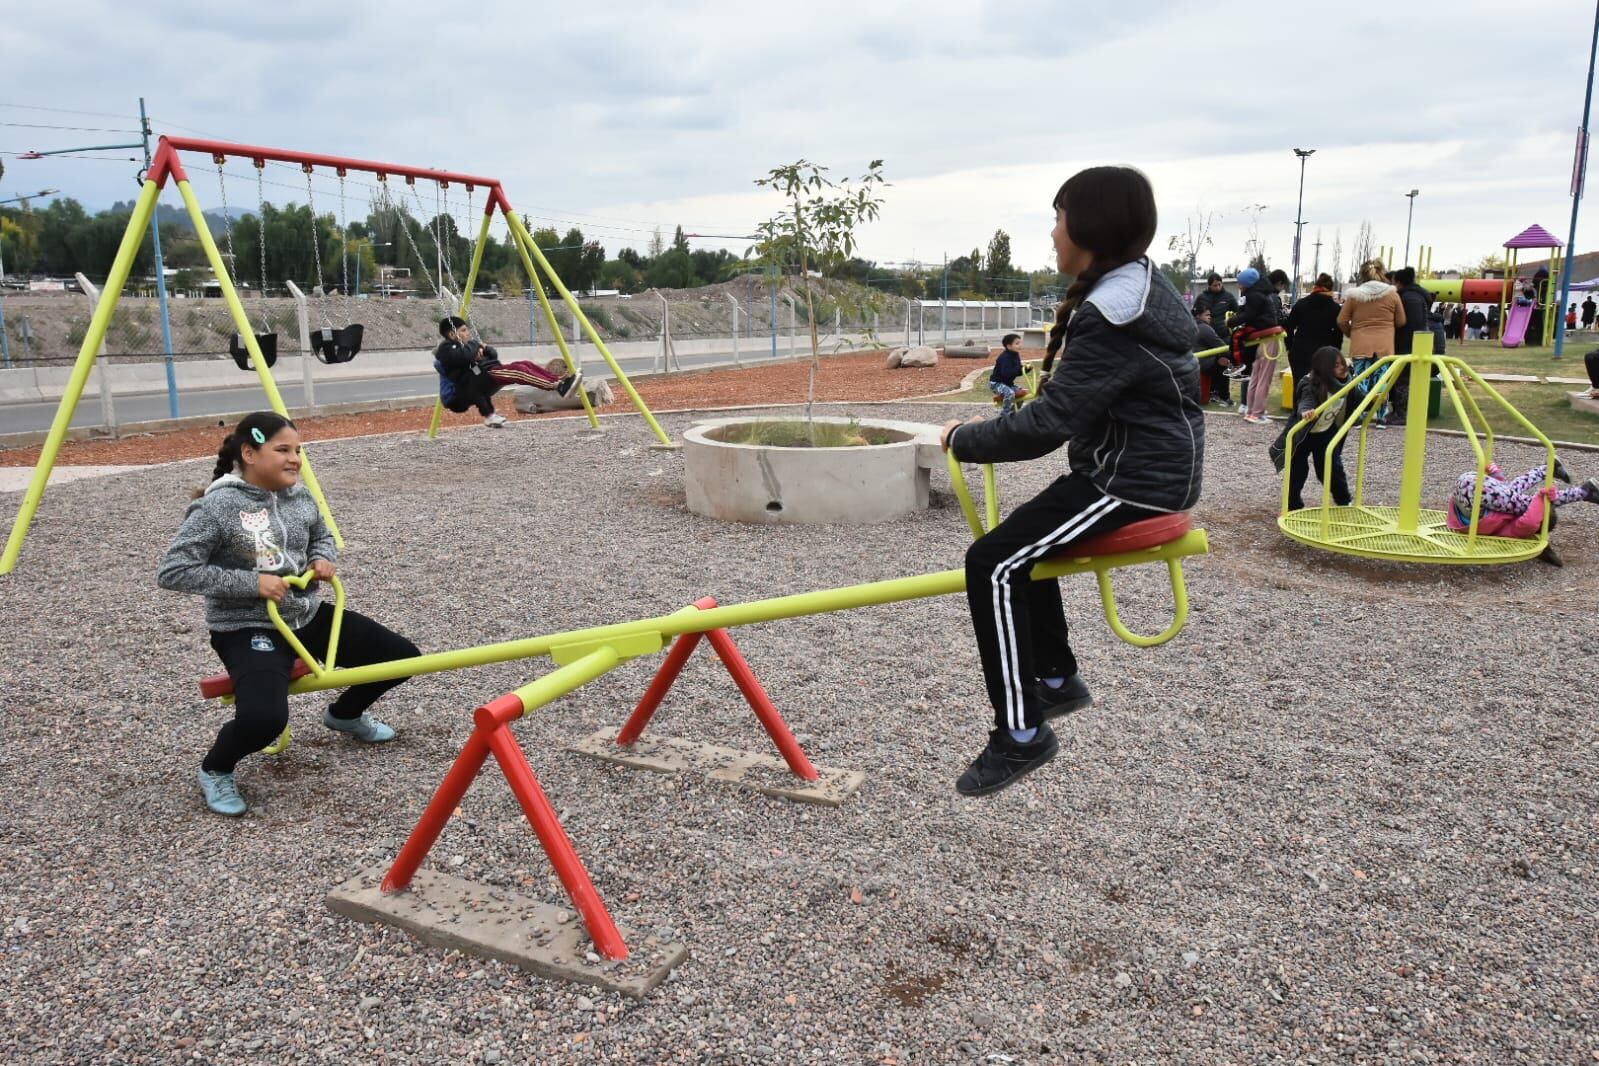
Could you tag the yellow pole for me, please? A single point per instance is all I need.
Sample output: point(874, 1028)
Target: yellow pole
point(109, 295)
point(588, 327)
point(1417, 365)
point(549, 317)
point(241, 322)
point(477, 262)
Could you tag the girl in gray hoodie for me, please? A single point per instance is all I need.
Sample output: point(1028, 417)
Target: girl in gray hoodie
point(254, 525)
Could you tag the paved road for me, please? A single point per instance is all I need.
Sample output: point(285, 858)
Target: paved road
point(152, 407)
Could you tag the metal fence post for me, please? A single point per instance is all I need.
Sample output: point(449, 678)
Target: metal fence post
point(108, 411)
point(303, 314)
point(734, 301)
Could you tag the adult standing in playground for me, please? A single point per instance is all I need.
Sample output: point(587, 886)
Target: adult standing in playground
point(1312, 324)
point(1125, 399)
point(1417, 303)
point(1588, 309)
point(1372, 314)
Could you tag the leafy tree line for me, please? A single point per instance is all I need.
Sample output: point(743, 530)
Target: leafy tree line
point(61, 238)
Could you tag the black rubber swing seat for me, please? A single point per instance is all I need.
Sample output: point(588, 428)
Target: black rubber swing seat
point(337, 345)
point(267, 342)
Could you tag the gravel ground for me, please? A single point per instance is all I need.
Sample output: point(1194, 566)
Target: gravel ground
point(1347, 816)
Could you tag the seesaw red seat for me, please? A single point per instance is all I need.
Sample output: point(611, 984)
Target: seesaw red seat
point(1135, 536)
point(219, 685)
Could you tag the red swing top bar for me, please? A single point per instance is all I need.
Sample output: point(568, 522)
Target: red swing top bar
point(166, 162)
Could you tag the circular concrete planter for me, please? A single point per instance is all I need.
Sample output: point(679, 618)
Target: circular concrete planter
point(854, 485)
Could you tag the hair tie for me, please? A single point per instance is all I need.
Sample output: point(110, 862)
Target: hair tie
point(257, 436)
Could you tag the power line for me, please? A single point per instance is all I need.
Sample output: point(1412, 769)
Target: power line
point(65, 110)
point(77, 129)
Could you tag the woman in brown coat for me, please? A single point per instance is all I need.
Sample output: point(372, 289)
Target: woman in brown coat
point(1371, 315)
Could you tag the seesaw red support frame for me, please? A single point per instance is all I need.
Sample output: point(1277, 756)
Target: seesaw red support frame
point(491, 734)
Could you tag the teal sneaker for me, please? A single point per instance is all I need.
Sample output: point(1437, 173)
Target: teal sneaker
point(366, 729)
point(221, 793)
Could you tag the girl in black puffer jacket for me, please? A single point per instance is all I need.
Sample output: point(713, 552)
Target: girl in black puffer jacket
point(1125, 401)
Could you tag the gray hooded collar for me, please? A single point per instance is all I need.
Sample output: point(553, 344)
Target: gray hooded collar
point(1122, 294)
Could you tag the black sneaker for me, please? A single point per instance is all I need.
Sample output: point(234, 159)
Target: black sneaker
point(1004, 761)
point(565, 385)
point(1560, 472)
point(1550, 556)
point(1070, 697)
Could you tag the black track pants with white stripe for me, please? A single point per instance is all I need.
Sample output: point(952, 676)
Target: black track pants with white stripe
point(1020, 623)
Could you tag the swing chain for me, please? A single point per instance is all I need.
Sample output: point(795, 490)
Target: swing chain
point(344, 246)
point(260, 199)
point(316, 250)
point(399, 208)
point(227, 220)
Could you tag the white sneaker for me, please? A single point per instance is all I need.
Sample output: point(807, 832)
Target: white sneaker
point(1243, 409)
point(494, 421)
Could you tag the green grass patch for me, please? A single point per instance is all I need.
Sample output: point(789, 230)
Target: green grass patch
point(775, 433)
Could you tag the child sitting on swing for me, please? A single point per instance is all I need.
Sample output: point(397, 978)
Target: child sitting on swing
point(470, 373)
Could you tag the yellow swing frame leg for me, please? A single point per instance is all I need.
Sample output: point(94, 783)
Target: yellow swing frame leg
point(525, 239)
point(573, 365)
point(121, 266)
point(241, 322)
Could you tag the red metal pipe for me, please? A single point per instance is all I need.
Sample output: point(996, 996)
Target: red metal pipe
point(761, 704)
point(501, 711)
point(437, 814)
point(568, 867)
point(682, 648)
point(191, 144)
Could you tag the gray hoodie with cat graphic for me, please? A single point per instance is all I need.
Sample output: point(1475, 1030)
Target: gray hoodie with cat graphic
point(237, 531)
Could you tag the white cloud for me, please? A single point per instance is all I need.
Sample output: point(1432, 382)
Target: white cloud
point(664, 115)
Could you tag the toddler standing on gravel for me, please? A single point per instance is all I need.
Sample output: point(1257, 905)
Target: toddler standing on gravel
point(254, 525)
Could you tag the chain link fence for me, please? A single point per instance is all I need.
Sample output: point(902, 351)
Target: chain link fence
point(49, 329)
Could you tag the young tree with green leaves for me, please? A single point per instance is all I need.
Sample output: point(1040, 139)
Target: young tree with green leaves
point(816, 229)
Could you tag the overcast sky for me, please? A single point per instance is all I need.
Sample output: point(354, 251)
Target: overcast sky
point(622, 117)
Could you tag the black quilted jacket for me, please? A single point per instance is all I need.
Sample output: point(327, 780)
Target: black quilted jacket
point(1124, 394)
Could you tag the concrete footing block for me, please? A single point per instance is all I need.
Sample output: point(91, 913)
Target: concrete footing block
point(503, 924)
point(767, 774)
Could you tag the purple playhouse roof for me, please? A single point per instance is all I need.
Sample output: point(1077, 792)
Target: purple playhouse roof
point(1534, 236)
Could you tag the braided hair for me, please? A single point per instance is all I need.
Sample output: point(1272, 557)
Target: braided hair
point(1110, 211)
point(253, 429)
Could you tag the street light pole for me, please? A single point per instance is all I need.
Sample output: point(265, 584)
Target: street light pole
point(1411, 196)
point(1578, 176)
point(1299, 215)
point(160, 275)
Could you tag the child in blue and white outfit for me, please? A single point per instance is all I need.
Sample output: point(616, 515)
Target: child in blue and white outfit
point(1007, 368)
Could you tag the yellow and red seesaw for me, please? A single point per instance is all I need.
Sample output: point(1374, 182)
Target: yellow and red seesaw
point(582, 655)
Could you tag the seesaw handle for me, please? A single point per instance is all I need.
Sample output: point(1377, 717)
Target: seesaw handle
point(300, 581)
point(1107, 595)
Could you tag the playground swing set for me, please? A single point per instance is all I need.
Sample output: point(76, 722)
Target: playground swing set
point(255, 350)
